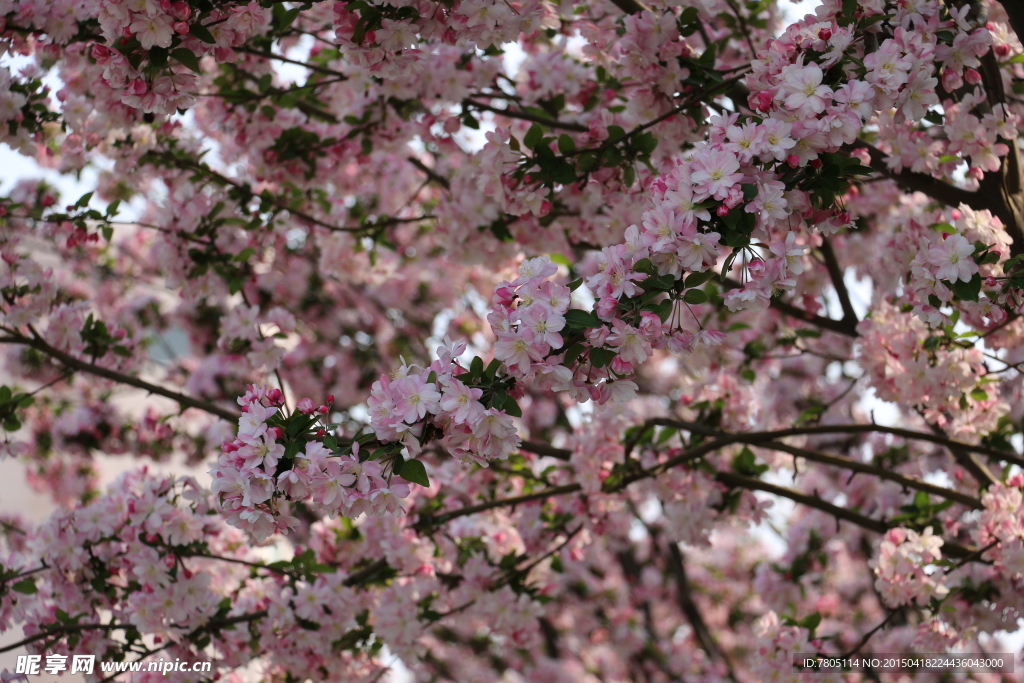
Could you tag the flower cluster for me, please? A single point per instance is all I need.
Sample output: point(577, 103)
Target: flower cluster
point(257, 467)
point(465, 408)
point(901, 567)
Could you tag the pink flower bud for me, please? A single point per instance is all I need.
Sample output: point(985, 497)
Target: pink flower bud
point(762, 101)
point(1002, 50)
point(825, 33)
point(792, 161)
point(48, 200)
point(322, 410)
point(275, 396)
point(722, 211)
point(137, 87)
point(181, 28)
point(620, 366)
point(330, 399)
point(991, 282)
point(275, 432)
point(305, 406)
point(972, 76)
point(951, 80)
point(180, 10)
point(815, 163)
point(321, 433)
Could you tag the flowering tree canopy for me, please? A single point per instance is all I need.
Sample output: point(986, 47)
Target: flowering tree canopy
point(521, 340)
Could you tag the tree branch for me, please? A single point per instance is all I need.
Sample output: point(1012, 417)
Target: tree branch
point(527, 116)
point(430, 173)
point(734, 480)
point(940, 191)
point(844, 327)
point(880, 472)
point(841, 429)
point(835, 272)
point(689, 608)
point(631, 6)
point(73, 363)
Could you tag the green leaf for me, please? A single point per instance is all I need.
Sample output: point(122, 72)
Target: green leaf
point(697, 279)
point(601, 357)
point(572, 353)
point(414, 471)
point(83, 201)
point(811, 622)
point(695, 296)
point(476, 366)
point(575, 284)
point(187, 58)
point(968, 291)
point(511, 407)
point(745, 463)
point(26, 587)
point(559, 259)
point(566, 144)
point(202, 33)
point(533, 136)
point(979, 394)
point(581, 319)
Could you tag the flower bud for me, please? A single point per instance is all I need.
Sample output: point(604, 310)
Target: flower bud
point(825, 33)
point(793, 161)
point(762, 101)
point(972, 76)
point(305, 406)
point(815, 163)
point(275, 432)
point(991, 282)
point(181, 28)
point(330, 399)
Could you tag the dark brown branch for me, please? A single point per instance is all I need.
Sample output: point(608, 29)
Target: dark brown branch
point(844, 327)
point(281, 58)
point(527, 116)
point(631, 6)
point(842, 429)
point(430, 173)
point(689, 608)
point(835, 272)
point(186, 164)
point(940, 191)
point(73, 363)
point(545, 449)
point(880, 472)
point(951, 548)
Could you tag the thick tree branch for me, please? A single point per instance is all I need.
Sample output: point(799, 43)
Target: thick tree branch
point(950, 548)
point(433, 175)
point(841, 429)
point(940, 191)
point(545, 449)
point(880, 472)
point(72, 363)
point(835, 272)
point(526, 116)
point(684, 597)
point(631, 6)
point(844, 327)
